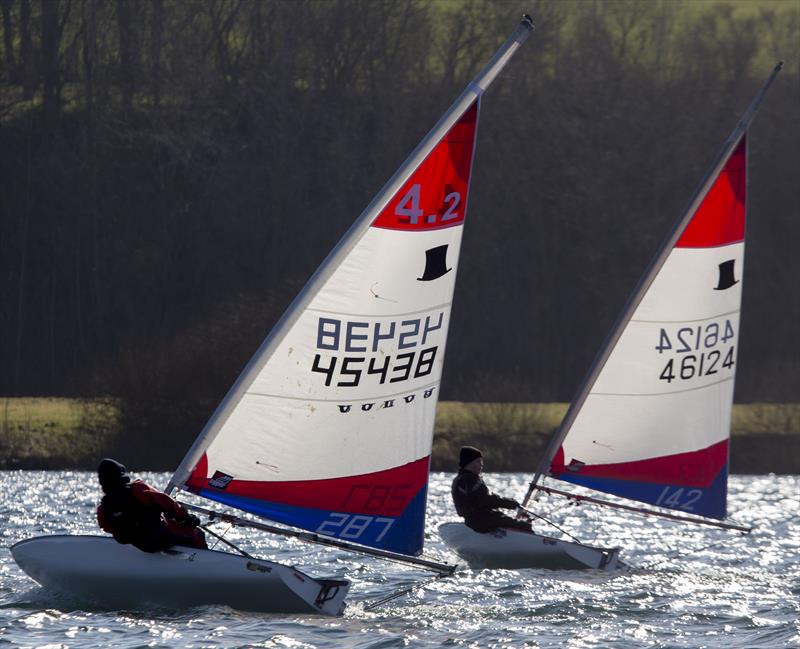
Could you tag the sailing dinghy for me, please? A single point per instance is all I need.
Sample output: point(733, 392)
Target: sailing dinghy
point(329, 428)
point(651, 422)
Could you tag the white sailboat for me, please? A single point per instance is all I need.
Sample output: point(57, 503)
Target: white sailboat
point(651, 422)
point(329, 428)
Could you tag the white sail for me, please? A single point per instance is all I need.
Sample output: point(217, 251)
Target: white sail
point(652, 419)
point(656, 423)
point(331, 425)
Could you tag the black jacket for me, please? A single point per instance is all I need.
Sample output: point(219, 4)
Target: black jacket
point(477, 505)
point(472, 497)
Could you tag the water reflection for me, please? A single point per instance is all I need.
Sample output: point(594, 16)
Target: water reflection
point(688, 586)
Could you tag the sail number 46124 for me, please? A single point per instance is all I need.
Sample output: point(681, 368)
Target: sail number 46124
point(704, 350)
point(697, 365)
point(688, 339)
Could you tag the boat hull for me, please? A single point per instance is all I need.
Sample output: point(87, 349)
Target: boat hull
point(514, 549)
point(112, 575)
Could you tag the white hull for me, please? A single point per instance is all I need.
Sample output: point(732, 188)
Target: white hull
point(119, 576)
point(513, 549)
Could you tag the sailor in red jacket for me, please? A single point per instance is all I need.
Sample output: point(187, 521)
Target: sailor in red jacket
point(135, 513)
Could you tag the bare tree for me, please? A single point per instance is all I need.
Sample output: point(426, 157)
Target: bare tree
point(27, 62)
point(156, 46)
point(8, 38)
point(51, 89)
point(127, 51)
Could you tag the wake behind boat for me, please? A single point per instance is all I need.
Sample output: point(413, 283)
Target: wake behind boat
point(329, 428)
point(651, 421)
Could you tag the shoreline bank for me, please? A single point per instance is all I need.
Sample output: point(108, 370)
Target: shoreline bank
point(63, 434)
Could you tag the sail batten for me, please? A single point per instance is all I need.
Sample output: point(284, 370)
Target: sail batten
point(376, 396)
point(659, 394)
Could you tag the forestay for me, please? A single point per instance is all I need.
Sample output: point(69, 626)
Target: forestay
point(330, 427)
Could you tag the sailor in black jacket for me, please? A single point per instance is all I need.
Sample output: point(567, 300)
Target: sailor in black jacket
point(475, 502)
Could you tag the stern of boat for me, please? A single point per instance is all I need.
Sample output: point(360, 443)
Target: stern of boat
point(326, 596)
point(514, 549)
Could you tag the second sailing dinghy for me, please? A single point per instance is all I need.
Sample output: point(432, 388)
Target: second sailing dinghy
point(329, 428)
point(651, 422)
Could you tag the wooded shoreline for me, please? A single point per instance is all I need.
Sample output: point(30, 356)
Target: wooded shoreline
point(60, 434)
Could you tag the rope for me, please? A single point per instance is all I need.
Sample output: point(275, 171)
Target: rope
point(403, 591)
point(549, 522)
point(225, 541)
point(218, 537)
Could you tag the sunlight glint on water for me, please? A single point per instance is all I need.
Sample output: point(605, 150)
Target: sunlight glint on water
point(725, 590)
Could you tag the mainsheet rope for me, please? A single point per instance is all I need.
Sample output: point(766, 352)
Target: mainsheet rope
point(403, 591)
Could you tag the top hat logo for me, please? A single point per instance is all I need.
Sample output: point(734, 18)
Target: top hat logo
point(435, 264)
point(726, 276)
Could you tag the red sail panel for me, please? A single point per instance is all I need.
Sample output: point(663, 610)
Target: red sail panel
point(382, 493)
point(693, 469)
point(720, 219)
point(435, 195)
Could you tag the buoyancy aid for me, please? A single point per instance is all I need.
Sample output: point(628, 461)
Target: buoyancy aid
point(126, 517)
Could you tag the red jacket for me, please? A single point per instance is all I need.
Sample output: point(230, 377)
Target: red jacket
point(155, 500)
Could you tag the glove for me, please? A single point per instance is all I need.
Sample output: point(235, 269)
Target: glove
point(189, 520)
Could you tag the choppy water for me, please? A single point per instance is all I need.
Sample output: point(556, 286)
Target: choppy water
point(725, 590)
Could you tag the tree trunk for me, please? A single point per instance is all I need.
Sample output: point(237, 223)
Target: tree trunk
point(259, 36)
point(156, 43)
point(8, 38)
point(51, 101)
point(22, 276)
point(89, 64)
point(126, 47)
point(89, 17)
point(28, 69)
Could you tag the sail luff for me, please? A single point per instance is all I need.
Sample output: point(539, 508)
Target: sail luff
point(473, 91)
point(647, 279)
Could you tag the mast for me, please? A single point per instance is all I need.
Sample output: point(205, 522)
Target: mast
point(356, 231)
point(647, 279)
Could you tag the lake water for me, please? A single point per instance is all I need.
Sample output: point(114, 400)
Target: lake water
point(689, 587)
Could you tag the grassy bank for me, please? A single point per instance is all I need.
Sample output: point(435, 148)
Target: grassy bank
point(766, 436)
point(68, 433)
point(54, 433)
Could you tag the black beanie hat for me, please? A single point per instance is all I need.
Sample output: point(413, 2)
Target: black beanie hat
point(112, 475)
point(468, 453)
